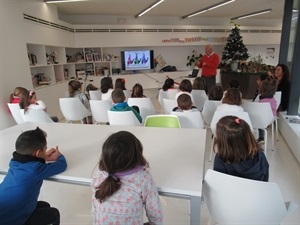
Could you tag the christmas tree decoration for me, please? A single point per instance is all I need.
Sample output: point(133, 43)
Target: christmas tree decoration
point(234, 50)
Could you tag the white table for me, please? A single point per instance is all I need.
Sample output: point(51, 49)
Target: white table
point(175, 156)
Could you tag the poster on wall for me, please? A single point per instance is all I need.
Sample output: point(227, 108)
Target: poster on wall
point(270, 56)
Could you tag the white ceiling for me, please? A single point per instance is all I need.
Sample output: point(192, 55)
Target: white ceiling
point(172, 8)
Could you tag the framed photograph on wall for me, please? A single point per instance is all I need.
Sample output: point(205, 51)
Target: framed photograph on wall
point(97, 57)
point(89, 57)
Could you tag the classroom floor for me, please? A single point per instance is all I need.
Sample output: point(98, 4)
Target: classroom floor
point(74, 202)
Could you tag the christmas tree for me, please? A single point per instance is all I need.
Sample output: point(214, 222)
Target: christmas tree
point(234, 49)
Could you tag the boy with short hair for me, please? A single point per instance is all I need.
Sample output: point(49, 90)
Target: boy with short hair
point(185, 104)
point(20, 188)
point(118, 99)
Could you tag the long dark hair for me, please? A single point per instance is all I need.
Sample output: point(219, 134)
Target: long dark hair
point(169, 83)
point(137, 91)
point(120, 152)
point(120, 83)
point(106, 84)
point(234, 140)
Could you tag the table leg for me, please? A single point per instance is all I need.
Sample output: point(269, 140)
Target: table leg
point(195, 207)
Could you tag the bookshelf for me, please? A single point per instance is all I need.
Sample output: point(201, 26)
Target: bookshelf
point(50, 65)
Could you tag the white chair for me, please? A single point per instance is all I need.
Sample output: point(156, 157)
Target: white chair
point(199, 97)
point(261, 116)
point(35, 115)
point(277, 97)
point(208, 111)
point(168, 105)
point(189, 119)
point(99, 110)
point(15, 112)
point(122, 118)
point(145, 105)
point(73, 109)
point(95, 95)
point(235, 200)
point(127, 94)
point(220, 114)
point(169, 94)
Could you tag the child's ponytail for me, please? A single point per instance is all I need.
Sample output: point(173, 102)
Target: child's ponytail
point(108, 187)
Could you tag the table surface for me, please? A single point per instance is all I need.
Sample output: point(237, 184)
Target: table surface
point(175, 156)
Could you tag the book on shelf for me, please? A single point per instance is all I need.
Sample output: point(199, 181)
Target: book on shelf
point(44, 82)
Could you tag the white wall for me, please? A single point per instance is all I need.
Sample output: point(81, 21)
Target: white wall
point(16, 32)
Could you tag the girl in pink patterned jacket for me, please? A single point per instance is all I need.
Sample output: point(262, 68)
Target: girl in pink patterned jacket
point(122, 185)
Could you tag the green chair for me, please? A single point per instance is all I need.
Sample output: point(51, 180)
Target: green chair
point(170, 121)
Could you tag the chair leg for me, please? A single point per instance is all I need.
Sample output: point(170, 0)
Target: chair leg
point(276, 127)
point(273, 141)
point(266, 141)
point(211, 149)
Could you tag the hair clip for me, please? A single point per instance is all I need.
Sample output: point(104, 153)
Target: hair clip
point(30, 93)
point(237, 120)
point(114, 177)
point(123, 81)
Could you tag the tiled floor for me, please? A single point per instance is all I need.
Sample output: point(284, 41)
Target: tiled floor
point(74, 202)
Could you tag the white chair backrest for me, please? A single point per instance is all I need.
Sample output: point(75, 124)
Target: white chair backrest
point(15, 112)
point(235, 200)
point(209, 109)
point(169, 94)
point(99, 110)
point(107, 95)
point(277, 97)
point(189, 119)
point(127, 94)
point(260, 113)
point(122, 118)
point(199, 97)
point(95, 95)
point(220, 114)
point(73, 109)
point(168, 105)
point(35, 115)
point(145, 105)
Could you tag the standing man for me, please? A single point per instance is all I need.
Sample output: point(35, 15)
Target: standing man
point(209, 64)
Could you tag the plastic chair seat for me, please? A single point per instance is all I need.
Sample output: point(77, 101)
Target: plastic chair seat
point(168, 121)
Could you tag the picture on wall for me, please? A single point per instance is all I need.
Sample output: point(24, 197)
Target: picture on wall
point(97, 57)
point(89, 57)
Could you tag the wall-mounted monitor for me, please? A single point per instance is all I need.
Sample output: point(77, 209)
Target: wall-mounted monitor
point(137, 60)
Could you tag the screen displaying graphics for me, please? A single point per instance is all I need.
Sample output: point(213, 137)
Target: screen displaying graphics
point(137, 60)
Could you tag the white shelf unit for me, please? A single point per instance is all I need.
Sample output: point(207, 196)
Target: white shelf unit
point(58, 64)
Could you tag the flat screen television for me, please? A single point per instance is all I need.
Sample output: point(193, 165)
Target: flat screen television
point(137, 60)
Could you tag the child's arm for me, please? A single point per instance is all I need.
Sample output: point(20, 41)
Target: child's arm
point(151, 200)
point(59, 165)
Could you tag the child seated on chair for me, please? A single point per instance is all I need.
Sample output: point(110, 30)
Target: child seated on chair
point(137, 91)
point(122, 184)
point(185, 104)
point(90, 87)
point(29, 101)
point(267, 91)
point(185, 87)
point(119, 104)
point(237, 152)
point(17, 94)
point(19, 191)
point(74, 89)
point(215, 93)
point(106, 87)
point(199, 84)
point(231, 102)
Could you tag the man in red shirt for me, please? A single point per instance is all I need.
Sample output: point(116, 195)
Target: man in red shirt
point(209, 64)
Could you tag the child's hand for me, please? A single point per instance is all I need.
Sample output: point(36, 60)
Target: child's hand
point(52, 154)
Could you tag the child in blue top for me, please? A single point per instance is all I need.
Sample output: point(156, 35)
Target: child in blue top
point(118, 99)
point(19, 191)
point(238, 154)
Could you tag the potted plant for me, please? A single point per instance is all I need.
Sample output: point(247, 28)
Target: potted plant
point(193, 59)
